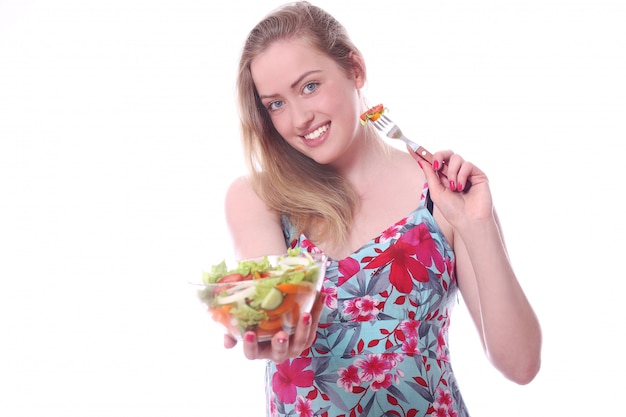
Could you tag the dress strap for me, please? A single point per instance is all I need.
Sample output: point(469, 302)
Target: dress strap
point(426, 200)
point(429, 202)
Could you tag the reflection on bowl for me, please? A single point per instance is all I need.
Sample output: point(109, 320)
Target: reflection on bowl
point(263, 295)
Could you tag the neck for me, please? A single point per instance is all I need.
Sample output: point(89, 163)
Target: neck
point(364, 163)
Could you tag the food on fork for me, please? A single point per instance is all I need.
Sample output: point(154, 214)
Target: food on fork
point(372, 114)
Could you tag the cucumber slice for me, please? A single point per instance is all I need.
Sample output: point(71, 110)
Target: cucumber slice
point(272, 300)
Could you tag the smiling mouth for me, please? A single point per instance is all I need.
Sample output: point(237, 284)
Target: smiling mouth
point(317, 132)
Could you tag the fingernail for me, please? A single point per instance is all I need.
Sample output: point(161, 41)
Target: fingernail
point(459, 187)
point(420, 164)
point(452, 187)
point(281, 340)
point(435, 165)
point(306, 319)
point(250, 337)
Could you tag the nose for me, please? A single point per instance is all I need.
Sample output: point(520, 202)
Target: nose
point(301, 115)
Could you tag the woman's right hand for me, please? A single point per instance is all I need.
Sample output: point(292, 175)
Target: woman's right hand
point(448, 192)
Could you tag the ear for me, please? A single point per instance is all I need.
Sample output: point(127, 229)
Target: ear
point(358, 69)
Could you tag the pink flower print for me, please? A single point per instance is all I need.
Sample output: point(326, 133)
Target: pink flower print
point(442, 353)
point(330, 299)
point(348, 378)
point(425, 246)
point(373, 367)
point(361, 309)
point(394, 231)
point(410, 346)
point(303, 407)
point(394, 359)
point(309, 246)
point(439, 410)
point(444, 397)
point(347, 268)
point(288, 376)
point(409, 328)
point(443, 404)
point(383, 381)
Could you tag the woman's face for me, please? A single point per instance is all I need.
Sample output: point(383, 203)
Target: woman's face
point(313, 103)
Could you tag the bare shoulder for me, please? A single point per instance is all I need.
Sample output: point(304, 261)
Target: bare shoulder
point(243, 202)
point(240, 192)
point(248, 218)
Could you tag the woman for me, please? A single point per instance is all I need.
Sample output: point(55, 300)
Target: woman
point(402, 238)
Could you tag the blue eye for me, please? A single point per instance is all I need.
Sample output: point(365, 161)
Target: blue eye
point(310, 87)
point(275, 105)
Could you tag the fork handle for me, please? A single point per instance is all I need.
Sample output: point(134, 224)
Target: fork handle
point(428, 157)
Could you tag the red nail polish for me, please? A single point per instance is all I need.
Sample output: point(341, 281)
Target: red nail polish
point(282, 340)
point(250, 337)
point(306, 319)
point(452, 187)
point(459, 187)
point(435, 165)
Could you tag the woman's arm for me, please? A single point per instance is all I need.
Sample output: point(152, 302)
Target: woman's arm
point(256, 231)
point(506, 322)
point(254, 228)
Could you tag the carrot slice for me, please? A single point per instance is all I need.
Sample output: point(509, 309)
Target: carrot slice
point(221, 314)
point(293, 288)
point(271, 324)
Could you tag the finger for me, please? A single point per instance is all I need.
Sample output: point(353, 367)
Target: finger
point(455, 162)
point(440, 158)
point(229, 342)
point(434, 182)
point(465, 173)
point(250, 345)
point(280, 347)
point(298, 341)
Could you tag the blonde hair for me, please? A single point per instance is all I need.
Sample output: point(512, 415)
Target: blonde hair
point(315, 198)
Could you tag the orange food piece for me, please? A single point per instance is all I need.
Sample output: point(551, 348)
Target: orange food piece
point(221, 314)
point(372, 114)
point(293, 288)
point(273, 323)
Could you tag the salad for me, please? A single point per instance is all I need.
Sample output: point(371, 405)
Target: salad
point(263, 295)
point(372, 114)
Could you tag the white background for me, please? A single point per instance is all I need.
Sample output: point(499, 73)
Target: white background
point(118, 137)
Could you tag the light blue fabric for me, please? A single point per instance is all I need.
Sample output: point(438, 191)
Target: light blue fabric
point(382, 342)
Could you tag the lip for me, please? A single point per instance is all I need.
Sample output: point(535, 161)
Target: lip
point(321, 138)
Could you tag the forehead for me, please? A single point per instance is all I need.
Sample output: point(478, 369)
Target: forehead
point(278, 66)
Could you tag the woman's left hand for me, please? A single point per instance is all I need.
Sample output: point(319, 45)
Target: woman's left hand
point(282, 346)
point(450, 192)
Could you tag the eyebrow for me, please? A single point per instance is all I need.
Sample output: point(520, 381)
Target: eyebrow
point(295, 83)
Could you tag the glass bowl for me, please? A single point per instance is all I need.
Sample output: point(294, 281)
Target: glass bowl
point(263, 295)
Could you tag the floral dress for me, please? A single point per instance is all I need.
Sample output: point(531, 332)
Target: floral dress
point(382, 343)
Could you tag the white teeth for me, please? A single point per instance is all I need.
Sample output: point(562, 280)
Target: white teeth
point(316, 133)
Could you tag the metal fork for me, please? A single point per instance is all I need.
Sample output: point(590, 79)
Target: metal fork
point(392, 130)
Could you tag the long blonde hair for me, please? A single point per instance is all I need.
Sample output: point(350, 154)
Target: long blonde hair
point(314, 197)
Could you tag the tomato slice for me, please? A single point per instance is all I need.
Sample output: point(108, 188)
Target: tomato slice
point(372, 114)
point(231, 278)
